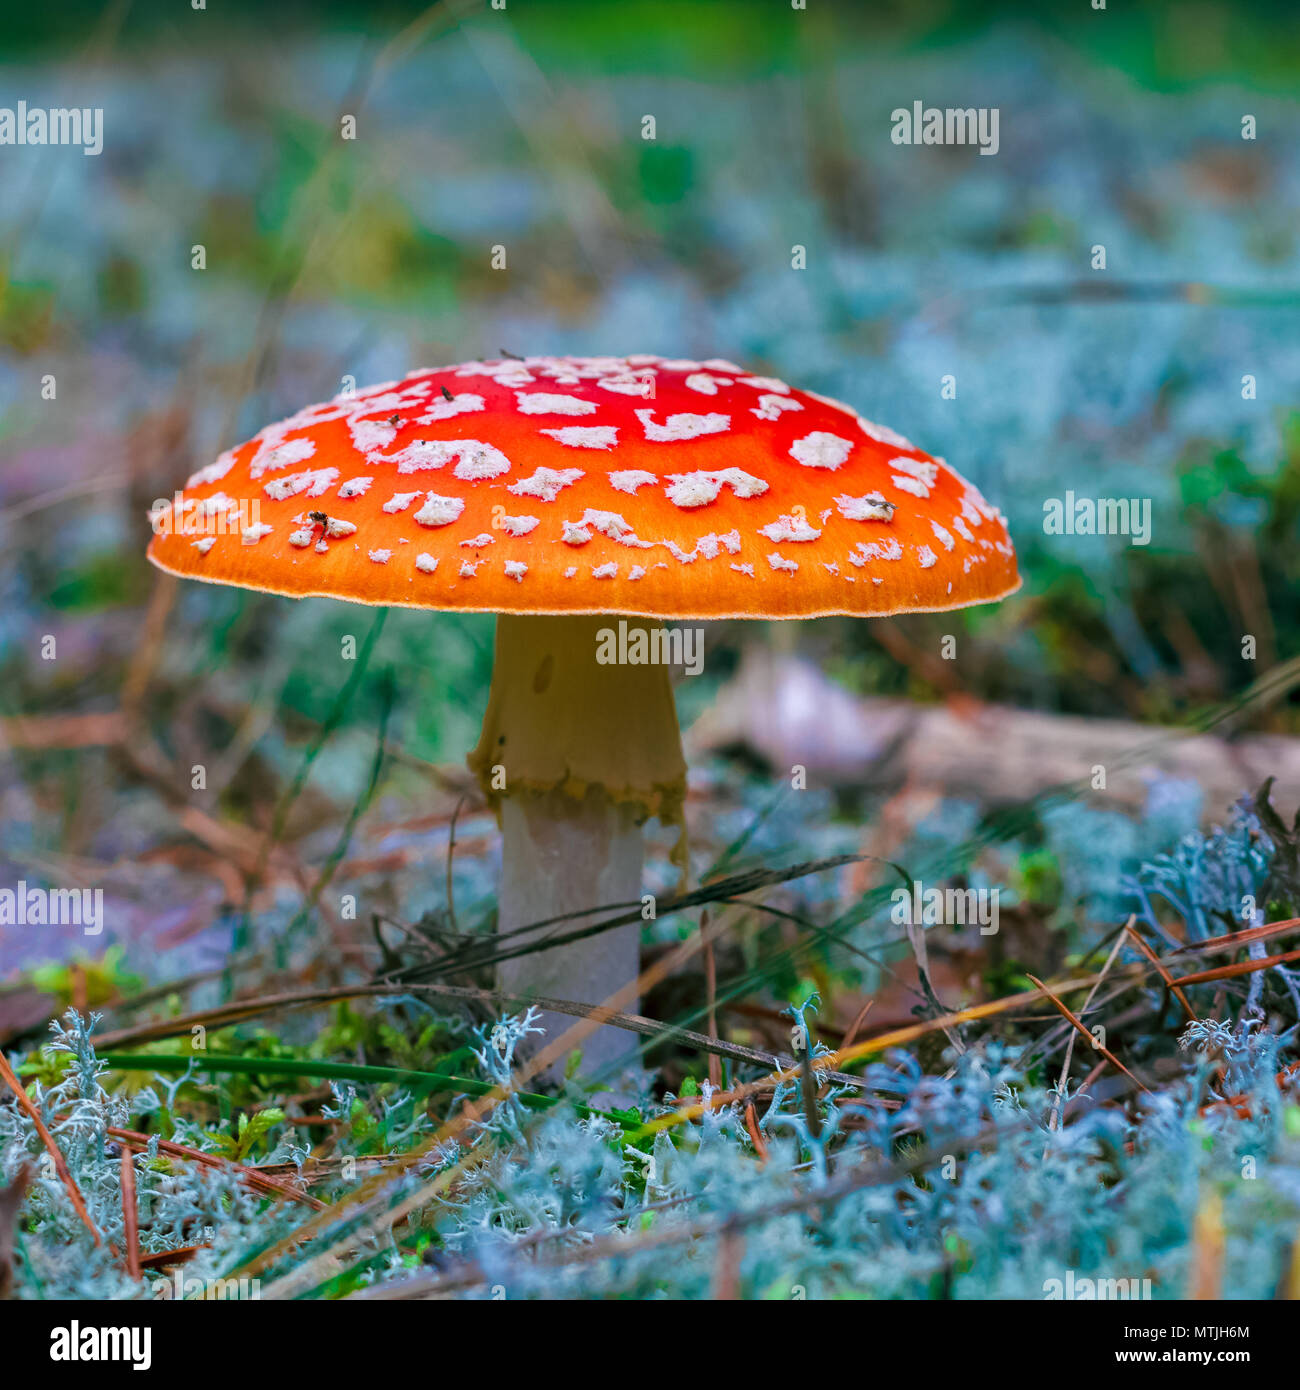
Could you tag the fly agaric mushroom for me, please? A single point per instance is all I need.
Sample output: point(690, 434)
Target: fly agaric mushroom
point(555, 492)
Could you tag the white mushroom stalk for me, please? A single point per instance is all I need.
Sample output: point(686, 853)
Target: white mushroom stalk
point(574, 756)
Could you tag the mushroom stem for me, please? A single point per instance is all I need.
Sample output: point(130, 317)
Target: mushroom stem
point(562, 855)
point(580, 746)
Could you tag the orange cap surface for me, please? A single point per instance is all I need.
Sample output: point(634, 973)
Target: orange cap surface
point(636, 485)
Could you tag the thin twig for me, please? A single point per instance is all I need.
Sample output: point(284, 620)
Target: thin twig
point(1228, 972)
point(1069, 1046)
point(722, 890)
point(755, 1134)
point(130, 1217)
point(1082, 1028)
point(726, 1267)
point(1159, 965)
point(1205, 1277)
point(859, 1020)
point(181, 1256)
point(451, 850)
point(711, 1000)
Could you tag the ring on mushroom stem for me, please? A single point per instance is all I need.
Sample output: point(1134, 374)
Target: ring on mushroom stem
point(575, 755)
point(552, 491)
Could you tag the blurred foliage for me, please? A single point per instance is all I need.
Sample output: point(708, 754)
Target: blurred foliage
point(366, 259)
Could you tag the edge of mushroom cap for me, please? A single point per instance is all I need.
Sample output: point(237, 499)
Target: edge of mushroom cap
point(613, 611)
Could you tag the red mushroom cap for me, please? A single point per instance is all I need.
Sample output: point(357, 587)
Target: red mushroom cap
point(634, 485)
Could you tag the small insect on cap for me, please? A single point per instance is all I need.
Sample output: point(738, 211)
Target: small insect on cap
point(636, 485)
